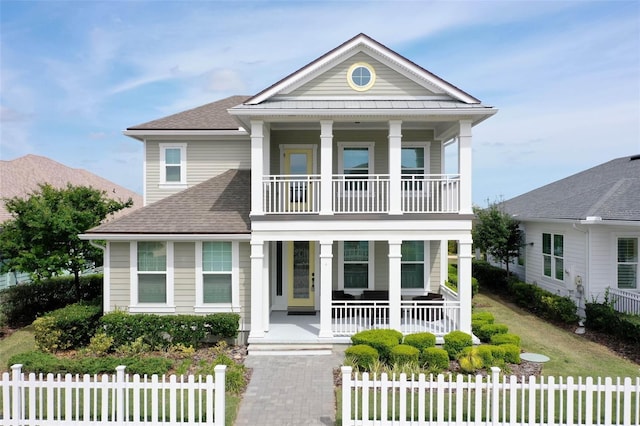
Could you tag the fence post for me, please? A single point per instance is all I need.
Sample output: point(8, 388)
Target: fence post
point(120, 391)
point(346, 394)
point(16, 378)
point(495, 396)
point(219, 394)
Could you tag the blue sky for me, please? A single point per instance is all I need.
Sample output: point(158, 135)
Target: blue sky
point(565, 75)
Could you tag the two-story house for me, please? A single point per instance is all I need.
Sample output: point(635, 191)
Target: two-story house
point(324, 194)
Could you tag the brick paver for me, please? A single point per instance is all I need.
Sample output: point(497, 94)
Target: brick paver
point(290, 390)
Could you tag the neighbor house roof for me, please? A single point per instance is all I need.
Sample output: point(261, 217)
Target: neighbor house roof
point(610, 191)
point(219, 205)
point(21, 177)
point(212, 116)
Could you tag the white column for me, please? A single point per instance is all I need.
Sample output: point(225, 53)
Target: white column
point(464, 284)
point(395, 166)
point(257, 167)
point(464, 166)
point(266, 299)
point(326, 166)
point(257, 296)
point(326, 287)
point(395, 291)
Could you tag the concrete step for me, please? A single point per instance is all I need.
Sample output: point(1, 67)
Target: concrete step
point(290, 349)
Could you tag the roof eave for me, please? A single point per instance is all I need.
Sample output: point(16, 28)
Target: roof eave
point(141, 135)
point(164, 237)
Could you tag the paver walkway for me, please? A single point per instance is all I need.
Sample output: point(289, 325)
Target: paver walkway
point(290, 390)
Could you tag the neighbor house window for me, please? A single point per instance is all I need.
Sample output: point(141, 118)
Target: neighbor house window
point(217, 276)
point(356, 265)
point(628, 263)
point(412, 265)
point(355, 161)
point(553, 255)
point(173, 169)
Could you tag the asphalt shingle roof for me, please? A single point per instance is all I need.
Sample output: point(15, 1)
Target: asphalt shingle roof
point(610, 191)
point(219, 205)
point(212, 116)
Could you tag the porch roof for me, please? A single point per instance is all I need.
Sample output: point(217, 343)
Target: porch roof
point(219, 205)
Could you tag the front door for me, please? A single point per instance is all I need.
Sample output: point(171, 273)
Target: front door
point(301, 274)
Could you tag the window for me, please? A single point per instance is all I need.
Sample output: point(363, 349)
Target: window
point(356, 268)
point(173, 164)
point(628, 263)
point(361, 76)
point(150, 276)
point(553, 255)
point(217, 276)
point(414, 164)
point(356, 162)
point(412, 265)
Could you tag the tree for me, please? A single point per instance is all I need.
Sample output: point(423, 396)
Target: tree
point(42, 237)
point(497, 233)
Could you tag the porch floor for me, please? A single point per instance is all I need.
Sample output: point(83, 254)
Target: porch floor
point(301, 329)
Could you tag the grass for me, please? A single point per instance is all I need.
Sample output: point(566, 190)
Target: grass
point(569, 353)
point(18, 342)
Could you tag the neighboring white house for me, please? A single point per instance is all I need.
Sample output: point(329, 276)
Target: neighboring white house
point(324, 194)
point(582, 234)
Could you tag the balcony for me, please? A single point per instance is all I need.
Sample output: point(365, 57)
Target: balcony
point(358, 194)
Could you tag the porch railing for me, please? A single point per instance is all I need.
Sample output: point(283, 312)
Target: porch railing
point(627, 302)
point(435, 316)
point(286, 194)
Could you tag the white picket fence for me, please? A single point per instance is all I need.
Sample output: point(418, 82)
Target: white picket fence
point(476, 400)
point(108, 399)
point(627, 302)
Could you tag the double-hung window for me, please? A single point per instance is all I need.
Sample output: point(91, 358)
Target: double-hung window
point(553, 255)
point(217, 282)
point(173, 164)
point(414, 163)
point(356, 163)
point(356, 266)
point(412, 265)
point(627, 263)
point(151, 276)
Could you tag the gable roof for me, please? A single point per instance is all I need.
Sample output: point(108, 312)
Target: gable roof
point(610, 191)
point(362, 42)
point(219, 205)
point(212, 116)
point(20, 178)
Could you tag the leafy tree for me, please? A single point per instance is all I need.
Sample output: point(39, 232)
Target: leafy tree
point(42, 237)
point(497, 233)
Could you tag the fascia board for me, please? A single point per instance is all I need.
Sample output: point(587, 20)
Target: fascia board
point(165, 237)
point(328, 112)
point(144, 134)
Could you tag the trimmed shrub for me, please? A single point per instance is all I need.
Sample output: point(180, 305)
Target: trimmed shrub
point(38, 362)
point(100, 344)
point(420, 340)
point(490, 277)
point(66, 328)
point(511, 353)
point(485, 316)
point(455, 342)
point(382, 340)
point(163, 331)
point(497, 352)
point(469, 360)
point(435, 358)
point(486, 331)
point(403, 354)
point(602, 317)
point(501, 339)
point(486, 353)
point(452, 280)
point(362, 355)
point(21, 304)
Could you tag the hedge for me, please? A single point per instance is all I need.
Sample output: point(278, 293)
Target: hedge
point(455, 342)
point(420, 340)
point(21, 304)
point(70, 327)
point(383, 340)
point(161, 331)
point(602, 317)
point(403, 354)
point(362, 355)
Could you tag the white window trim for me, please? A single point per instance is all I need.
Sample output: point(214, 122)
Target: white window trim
point(342, 145)
point(427, 274)
point(554, 257)
point(616, 263)
point(427, 153)
point(234, 306)
point(370, 266)
point(183, 165)
point(135, 307)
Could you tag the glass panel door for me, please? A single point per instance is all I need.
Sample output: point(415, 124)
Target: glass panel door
point(302, 276)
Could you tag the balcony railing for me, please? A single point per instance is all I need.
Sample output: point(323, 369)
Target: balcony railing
point(286, 194)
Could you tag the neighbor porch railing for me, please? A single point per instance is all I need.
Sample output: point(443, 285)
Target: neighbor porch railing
point(287, 194)
point(627, 302)
point(435, 316)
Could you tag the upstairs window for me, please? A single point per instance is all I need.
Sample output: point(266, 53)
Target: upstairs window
point(173, 169)
point(553, 256)
point(356, 162)
point(628, 263)
point(414, 164)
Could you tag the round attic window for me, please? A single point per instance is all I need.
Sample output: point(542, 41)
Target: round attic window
point(361, 76)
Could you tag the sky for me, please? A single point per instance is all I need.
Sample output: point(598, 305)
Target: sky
point(564, 75)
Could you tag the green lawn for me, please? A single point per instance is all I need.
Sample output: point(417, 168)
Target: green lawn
point(20, 341)
point(571, 354)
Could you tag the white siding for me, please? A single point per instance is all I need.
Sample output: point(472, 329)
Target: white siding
point(388, 82)
point(205, 159)
point(245, 285)
point(119, 285)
